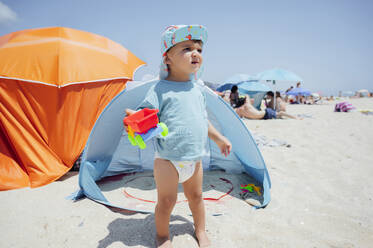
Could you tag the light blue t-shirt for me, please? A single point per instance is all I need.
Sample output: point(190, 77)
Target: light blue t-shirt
point(182, 107)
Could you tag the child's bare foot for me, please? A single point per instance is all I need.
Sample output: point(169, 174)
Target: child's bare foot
point(163, 243)
point(203, 240)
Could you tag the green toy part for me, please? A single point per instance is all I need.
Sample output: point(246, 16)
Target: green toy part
point(165, 129)
point(247, 187)
point(132, 140)
point(140, 142)
point(251, 187)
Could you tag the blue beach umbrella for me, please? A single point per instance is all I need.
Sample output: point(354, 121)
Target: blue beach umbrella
point(278, 75)
point(239, 78)
point(224, 87)
point(234, 80)
point(299, 92)
point(253, 87)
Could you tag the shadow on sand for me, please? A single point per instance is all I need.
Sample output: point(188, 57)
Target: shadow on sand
point(216, 186)
point(141, 232)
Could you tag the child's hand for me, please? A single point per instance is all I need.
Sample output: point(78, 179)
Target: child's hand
point(225, 146)
point(223, 143)
point(128, 113)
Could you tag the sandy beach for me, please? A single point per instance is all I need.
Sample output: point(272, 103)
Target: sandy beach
point(322, 195)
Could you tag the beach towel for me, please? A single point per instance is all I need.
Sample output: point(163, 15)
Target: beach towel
point(262, 140)
point(366, 111)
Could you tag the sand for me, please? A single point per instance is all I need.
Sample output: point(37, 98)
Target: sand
point(322, 195)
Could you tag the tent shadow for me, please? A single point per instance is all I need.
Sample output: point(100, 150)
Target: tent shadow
point(68, 175)
point(141, 232)
point(216, 185)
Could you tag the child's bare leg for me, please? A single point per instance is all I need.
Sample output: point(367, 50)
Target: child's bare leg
point(193, 192)
point(166, 179)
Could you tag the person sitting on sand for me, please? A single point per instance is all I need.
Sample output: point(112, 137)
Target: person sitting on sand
point(280, 103)
point(235, 100)
point(310, 100)
point(250, 112)
point(269, 97)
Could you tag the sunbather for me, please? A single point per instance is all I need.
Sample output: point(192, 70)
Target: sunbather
point(250, 112)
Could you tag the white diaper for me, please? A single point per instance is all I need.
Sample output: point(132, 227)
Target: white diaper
point(185, 169)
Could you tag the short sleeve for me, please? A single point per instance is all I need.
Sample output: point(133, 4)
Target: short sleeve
point(204, 103)
point(150, 100)
point(204, 97)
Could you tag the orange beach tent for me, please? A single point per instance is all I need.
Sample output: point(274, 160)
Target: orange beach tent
point(54, 83)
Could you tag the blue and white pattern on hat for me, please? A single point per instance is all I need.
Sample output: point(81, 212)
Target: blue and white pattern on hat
point(179, 33)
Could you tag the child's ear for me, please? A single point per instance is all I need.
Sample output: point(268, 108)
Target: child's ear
point(166, 60)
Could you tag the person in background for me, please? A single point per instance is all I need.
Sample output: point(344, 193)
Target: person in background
point(287, 97)
point(235, 100)
point(250, 112)
point(280, 103)
point(299, 98)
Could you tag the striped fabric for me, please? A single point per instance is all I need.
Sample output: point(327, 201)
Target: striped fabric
point(343, 107)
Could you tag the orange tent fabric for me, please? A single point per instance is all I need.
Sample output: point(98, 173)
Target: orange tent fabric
point(54, 83)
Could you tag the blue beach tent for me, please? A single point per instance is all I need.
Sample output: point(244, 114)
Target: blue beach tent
point(255, 90)
point(108, 151)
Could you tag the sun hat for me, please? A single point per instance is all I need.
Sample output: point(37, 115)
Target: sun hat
point(178, 33)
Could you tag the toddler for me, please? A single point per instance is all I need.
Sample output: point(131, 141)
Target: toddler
point(182, 107)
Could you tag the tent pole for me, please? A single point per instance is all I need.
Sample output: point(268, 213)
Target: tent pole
point(274, 94)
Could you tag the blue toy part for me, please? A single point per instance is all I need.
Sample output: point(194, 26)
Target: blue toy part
point(151, 133)
point(161, 129)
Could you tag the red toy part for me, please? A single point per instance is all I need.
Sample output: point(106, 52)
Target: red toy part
point(142, 120)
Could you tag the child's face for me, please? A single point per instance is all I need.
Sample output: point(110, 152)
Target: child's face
point(185, 58)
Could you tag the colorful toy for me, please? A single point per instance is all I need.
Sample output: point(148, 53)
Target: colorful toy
point(143, 125)
point(250, 187)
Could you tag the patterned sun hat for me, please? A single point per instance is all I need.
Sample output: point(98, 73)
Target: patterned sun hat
point(179, 33)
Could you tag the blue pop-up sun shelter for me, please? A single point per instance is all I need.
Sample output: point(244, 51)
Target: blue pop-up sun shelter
point(108, 151)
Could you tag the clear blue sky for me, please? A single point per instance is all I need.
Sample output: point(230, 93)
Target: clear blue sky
point(328, 43)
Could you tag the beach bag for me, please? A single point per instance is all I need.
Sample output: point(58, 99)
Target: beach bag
point(343, 107)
